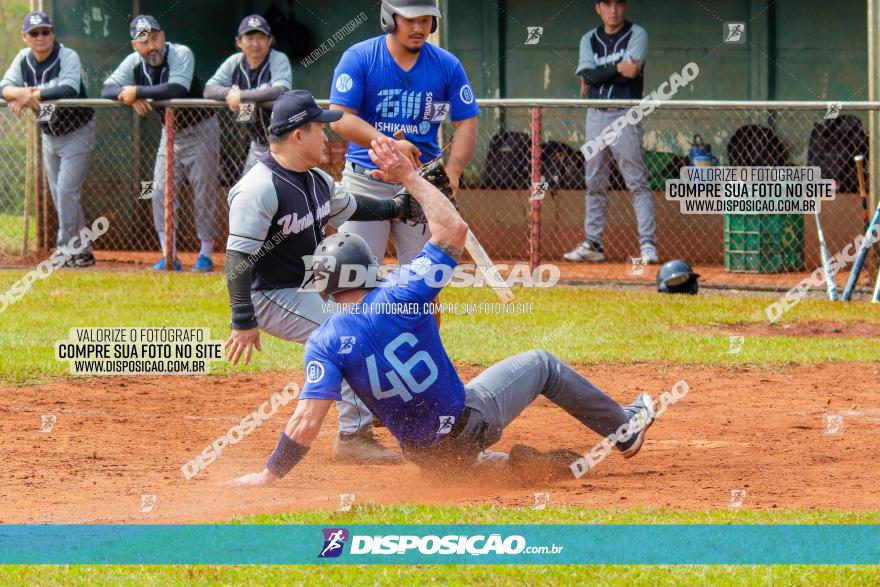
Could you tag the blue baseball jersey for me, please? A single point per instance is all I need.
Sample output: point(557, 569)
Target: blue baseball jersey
point(388, 348)
point(417, 101)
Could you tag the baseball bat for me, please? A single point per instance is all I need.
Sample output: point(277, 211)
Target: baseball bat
point(860, 257)
point(481, 258)
point(860, 169)
point(876, 297)
point(830, 285)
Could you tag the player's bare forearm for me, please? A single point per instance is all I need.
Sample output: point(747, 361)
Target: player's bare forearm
point(354, 128)
point(362, 133)
point(301, 430)
point(462, 148)
point(448, 229)
point(305, 423)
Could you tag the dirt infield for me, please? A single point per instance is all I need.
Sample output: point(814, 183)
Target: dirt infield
point(115, 439)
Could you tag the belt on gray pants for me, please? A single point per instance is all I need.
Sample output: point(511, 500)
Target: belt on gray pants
point(456, 429)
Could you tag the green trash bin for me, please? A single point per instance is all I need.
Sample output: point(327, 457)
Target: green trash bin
point(772, 243)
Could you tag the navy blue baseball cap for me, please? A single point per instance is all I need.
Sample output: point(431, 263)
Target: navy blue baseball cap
point(36, 20)
point(254, 22)
point(295, 108)
point(141, 25)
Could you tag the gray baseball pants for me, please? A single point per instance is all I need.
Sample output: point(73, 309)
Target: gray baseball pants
point(66, 159)
point(196, 158)
point(630, 156)
point(255, 151)
point(292, 315)
point(501, 392)
point(408, 239)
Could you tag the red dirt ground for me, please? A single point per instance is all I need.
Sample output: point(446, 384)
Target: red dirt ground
point(745, 428)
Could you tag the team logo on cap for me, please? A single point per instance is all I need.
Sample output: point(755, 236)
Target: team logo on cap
point(36, 19)
point(142, 26)
point(254, 22)
point(296, 118)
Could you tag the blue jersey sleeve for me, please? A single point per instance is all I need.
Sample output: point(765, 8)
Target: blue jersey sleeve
point(349, 81)
point(423, 278)
point(323, 373)
point(461, 94)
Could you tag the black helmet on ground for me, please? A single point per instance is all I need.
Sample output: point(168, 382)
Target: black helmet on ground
point(677, 276)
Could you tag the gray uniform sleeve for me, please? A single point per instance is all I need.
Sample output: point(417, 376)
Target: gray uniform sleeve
point(637, 48)
point(342, 203)
point(124, 74)
point(586, 59)
point(252, 205)
point(71, 69)
point(279, 68)
point(12, 77)
point(223, 75)
point(181, 65)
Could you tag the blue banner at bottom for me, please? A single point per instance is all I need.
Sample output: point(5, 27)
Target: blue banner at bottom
point(837, 544)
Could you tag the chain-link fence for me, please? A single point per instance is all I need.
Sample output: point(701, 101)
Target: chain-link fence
point(521, 144)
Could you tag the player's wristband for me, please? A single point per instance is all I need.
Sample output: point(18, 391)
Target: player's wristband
point(287, 454)
point(243, 317)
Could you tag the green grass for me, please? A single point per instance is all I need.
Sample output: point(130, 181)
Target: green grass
point(12, 233)
point(482, 574)
point(581, 326)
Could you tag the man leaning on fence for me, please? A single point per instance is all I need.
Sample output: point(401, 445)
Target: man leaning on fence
point(47, 70)
point(158, 70)
point(611, 67)
point(257, 74)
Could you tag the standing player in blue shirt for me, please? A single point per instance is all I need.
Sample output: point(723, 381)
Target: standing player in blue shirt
point(396, 364)
point(400, 82)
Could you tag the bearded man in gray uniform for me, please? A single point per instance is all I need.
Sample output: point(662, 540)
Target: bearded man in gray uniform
point(158, 70)
point(47, 70)
point(277, 215)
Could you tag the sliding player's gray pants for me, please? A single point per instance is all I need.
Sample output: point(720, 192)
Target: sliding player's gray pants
point(501, 392)
point(293, 315)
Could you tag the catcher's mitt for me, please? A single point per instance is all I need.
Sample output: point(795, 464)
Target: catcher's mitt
point(435, 174)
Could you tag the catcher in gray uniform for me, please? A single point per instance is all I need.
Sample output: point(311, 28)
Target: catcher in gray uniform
point(277, 214)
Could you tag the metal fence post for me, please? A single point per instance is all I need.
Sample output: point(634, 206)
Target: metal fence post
point(29, 182)
point(535, 212)
point(169, 189)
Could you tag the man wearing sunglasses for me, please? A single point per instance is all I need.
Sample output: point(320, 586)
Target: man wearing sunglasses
point(164, 71)
point(46, 71)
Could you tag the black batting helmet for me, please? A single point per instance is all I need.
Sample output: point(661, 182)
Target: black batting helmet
point(343, 262)
point(677, 276)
